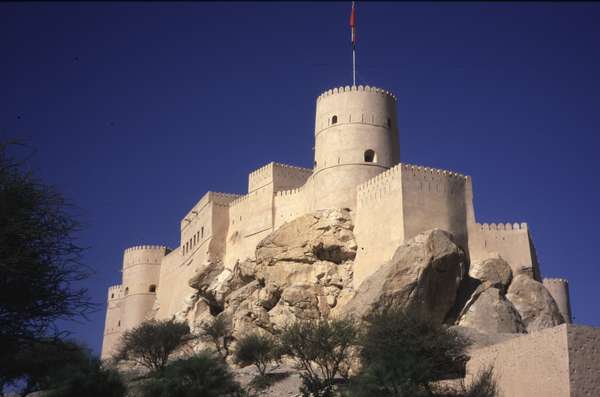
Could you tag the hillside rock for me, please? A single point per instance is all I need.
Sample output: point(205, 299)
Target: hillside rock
point(423, 276)
point(534, 303)
point(494, 270)
point(488, 311)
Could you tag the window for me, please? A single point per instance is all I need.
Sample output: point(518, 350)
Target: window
point(119, 323)
point(152, 288)
point(389, 123)
point(334, 120)
point(126, 290)
point(202, 232)
point(112, 296)
point(370, 156)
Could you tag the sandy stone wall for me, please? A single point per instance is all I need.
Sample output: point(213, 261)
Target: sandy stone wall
point(556, 362)
point(400, 203)
point(531, 365)
point(511, 241)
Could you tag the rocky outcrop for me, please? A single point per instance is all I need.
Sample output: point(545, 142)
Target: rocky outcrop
point(494, 270)
point(303, 271)
point(423, 276)
point(488, 311)
point(534, 303)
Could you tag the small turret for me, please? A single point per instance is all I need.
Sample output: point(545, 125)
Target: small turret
point(559, 289)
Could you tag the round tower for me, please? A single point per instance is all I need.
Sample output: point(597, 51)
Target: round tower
point(559, 289)
point(356, 138)
point(141, 272)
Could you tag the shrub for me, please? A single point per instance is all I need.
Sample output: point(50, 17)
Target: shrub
point(218, 333)
point(319, 348)
point(151, 343)
point(89, 379)
point(258, 350)
point(402, 354)
point(201, 375)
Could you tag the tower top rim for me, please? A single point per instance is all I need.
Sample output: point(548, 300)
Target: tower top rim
point(356, 88)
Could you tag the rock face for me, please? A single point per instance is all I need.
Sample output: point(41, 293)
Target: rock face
point(488, 311)
point(534, 303)
point(303, 271)
point(494, 270)
point(423, 276)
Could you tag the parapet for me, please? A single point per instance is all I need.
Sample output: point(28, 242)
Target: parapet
point(115, 292)
point(144, 254)
point(348, 88)
point(502, 226)
point(556, 281)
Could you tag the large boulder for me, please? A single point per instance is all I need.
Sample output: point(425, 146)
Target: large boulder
point(494, 270)
point(488, 311)
point(319, 236)
point(534, 303)
point(423, 277)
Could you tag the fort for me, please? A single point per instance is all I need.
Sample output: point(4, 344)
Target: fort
point(356, 166)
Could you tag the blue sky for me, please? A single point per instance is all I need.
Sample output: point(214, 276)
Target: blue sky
point(136, 109)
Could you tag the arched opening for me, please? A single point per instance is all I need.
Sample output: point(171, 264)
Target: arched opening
point(119, 323)
point(370, 156)
point(152, 288)
point(202, 232)
point(126, 290)
point(389, 123)
point(112, 296)
point(334, 120)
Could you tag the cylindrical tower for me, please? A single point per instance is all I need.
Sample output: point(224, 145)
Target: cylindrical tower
point(559, 289)
point(356, 138)
point(141, 272)
point(112, 322)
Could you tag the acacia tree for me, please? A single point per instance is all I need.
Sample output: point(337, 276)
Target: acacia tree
point(257, 349)
point(319, 349)
point(218, 333)
point(152, 342)
point(40, 263)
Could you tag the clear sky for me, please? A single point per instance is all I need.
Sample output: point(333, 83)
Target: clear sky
point(136, 109)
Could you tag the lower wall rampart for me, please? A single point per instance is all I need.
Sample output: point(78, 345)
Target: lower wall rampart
point(525, 366)
point(563, 361)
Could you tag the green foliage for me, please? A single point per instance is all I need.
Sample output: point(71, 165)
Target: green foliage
point(319, 349)
point(258, 350)
point(200, 376)
point(40, 264)
point(402, 354)
point(151, 343)
point(89, 379)
point(219, 334)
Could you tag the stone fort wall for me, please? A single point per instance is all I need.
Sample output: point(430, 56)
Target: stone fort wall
point(396, 205)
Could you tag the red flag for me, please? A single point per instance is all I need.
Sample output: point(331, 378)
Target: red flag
point(353, 24)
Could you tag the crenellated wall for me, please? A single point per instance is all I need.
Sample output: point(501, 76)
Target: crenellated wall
point(511, 240)
point(112, 322)
point(290, 204)
point(396, 205)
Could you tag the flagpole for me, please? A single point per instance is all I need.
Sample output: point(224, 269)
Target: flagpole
point(353, 39)
point(353, 66)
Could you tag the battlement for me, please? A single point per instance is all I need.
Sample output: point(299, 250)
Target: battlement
point(290, 192)
point(292, 167)
point(430, 170)
point(379, 179)
point(366, 88)
point(239, 200)
point(556, 281)
point(115, 288)
point(502, 226)
point(146, 248)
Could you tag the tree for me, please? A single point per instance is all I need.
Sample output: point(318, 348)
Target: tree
point(403, 354)
point(90, 379)
point(319, 348)
point(219, 334)
point(152, 342)
point(40, 264)
point(200, 375)
point(256, 349)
